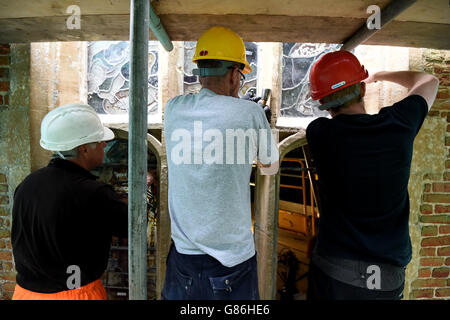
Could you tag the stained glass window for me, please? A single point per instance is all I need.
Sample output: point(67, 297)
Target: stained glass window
point(191, 83)
point(109, 76)
point(297, 61)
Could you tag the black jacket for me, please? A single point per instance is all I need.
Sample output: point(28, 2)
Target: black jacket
point(63, 217)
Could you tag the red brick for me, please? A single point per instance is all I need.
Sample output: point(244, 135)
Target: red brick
point(4, 72)
point(437, 197)
point(427, 252)
point(442, 94)
point(4, 85)
point(444, 229)
point(443, 252)
point(426, 209)
point(4, 60)
point(433, 113)
point(5, 255)
point(443, 292)
point(9, 286)
point(429, 231)
point(440, 272)
point(6, 100)
point(5, 49)
point(7, 295)
point(441, 187)
point(444, 219)
point(1, 99)
point(436, 241)
point(427, 186)
point(431, 262)
point(424, 273)
point(417, 294)
point(9, 276)
point(441, 209)
point(5, 234)
point(428, 283)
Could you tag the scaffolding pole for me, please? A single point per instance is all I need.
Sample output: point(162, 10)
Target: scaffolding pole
point(137, 151)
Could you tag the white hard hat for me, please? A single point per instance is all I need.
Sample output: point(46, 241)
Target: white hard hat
point(72, 125)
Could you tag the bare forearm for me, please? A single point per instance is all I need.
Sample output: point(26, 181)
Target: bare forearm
point(418, 83)
point(407, 79)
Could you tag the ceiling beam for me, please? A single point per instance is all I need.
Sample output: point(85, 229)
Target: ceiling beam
point(263, 28)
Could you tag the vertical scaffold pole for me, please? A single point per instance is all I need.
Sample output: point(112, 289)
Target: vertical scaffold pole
point(137, 150)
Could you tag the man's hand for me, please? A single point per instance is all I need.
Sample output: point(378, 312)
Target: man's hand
point(251, 96)
point(268, 169)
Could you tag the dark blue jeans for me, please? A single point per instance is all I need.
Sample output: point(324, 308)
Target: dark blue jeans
point(193, 277)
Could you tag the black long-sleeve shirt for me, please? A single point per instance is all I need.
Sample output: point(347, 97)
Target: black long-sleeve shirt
point(62, 217)
point(363, 162)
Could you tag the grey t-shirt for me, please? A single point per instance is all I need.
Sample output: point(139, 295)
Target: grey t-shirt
point(211, 142)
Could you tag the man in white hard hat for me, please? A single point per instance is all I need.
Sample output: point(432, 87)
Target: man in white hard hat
point(63, 219)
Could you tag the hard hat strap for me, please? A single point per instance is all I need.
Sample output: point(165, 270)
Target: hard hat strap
point(341, 101)
point(214, 71)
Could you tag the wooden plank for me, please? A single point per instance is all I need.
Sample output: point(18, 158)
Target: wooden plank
point(251, 28)
point(433, 11)
point(413, 34)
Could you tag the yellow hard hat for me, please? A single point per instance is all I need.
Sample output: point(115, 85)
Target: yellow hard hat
point(220, 43)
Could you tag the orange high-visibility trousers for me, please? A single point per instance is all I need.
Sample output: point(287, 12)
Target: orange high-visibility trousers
point(90, 291)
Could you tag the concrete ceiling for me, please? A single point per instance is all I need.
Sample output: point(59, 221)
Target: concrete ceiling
point(425, 24)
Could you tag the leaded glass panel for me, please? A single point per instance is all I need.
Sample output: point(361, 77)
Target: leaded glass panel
point(108, 77)
point(297, 61)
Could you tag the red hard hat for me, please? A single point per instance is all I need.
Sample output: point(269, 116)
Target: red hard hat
point(335, 71)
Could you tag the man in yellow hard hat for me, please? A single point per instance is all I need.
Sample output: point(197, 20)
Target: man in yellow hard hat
point(212, 139)
point(62, 218)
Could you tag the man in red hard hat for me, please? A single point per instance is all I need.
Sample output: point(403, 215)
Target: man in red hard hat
point(363, 162)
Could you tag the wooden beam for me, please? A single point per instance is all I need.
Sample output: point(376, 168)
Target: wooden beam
point(433, 11)
point(251, 28)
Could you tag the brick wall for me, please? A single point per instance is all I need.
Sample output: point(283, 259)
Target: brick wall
point(4, 75)
point(7, 274)
point(432, 280)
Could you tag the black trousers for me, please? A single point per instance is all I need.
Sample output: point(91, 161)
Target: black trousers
point(323, 287)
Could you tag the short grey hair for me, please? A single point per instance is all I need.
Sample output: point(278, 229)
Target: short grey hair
point(72, 154)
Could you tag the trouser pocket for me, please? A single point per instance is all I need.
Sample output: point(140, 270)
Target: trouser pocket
point(177, 285)
point(241, 284)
